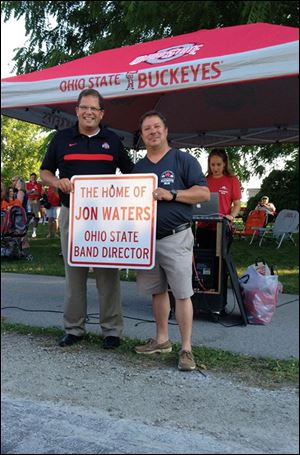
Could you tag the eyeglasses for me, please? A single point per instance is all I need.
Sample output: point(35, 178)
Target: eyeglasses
point(93, 109)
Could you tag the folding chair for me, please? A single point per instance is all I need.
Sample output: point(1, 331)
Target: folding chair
point(285, 225)
point(256, 219)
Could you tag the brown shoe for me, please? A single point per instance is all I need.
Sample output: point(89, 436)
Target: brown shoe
point(151, 347)
point(186, 361)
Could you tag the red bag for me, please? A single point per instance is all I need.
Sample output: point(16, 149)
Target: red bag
point(260, 291)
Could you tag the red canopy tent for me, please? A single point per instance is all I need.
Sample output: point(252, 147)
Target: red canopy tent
point(226, 86)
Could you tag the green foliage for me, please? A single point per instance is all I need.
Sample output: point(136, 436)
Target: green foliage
point(22, 148)
point(282, 188)
point(248, 160)
point(62, 31)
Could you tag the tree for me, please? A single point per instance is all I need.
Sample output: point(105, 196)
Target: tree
point(282, 187)
point(245, 159)
point(22, 148)
point(60, 31)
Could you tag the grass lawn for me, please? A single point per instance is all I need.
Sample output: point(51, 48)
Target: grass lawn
point(46, 259)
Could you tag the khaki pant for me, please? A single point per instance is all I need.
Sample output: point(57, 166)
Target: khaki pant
point(108, 286)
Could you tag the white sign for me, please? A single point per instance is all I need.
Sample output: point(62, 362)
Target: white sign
point(113, 221)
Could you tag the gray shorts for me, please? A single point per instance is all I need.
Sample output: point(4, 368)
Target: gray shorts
point(53, 212)
point(173, 266)
point(35, 207)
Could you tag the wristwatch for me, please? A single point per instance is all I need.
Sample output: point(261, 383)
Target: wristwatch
point(174, 194)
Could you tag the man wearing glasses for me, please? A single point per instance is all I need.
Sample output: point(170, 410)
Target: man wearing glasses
point(86, 149)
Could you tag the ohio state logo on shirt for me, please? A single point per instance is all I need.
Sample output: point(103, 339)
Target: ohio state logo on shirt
point(167, 54)
point(167, 177)
point(223, 190)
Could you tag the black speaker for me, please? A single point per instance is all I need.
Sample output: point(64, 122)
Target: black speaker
point(209, 271)
point(205, 271)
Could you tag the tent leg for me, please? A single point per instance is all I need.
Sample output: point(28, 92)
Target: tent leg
point(236, 286)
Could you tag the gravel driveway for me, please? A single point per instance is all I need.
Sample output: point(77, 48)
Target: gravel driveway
point(86, 400)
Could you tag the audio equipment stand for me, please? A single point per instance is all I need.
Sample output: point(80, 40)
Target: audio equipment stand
point(235, 286)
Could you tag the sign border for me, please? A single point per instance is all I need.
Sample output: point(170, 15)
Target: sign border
point(101, 264)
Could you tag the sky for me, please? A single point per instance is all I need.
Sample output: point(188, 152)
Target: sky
point(13, 36)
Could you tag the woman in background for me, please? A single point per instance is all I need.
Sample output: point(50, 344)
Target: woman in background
point(220, 179)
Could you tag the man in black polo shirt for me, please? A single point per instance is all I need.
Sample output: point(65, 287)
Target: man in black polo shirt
point(86, 149)
point(181, 184)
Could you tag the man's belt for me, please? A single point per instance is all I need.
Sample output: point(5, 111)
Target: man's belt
point(180, 228)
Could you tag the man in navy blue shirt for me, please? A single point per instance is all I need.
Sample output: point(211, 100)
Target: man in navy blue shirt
point(86, 149)
point(181, 184)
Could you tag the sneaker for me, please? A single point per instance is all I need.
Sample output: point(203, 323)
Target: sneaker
point(186, 361)
point(151, 347)
point(33, 235)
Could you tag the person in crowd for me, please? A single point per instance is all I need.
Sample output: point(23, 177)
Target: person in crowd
point(6, 200)
point(267, 206)
point(220, 179)
point(19, 190)
point(43, 214)
point(10, 193)
point(52, 211)
point(34, 192)
point(87, 148)
point(181, 183)
point(15, 196)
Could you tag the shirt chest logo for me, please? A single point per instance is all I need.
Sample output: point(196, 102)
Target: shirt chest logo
point(223, 190)
point(167, 178)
